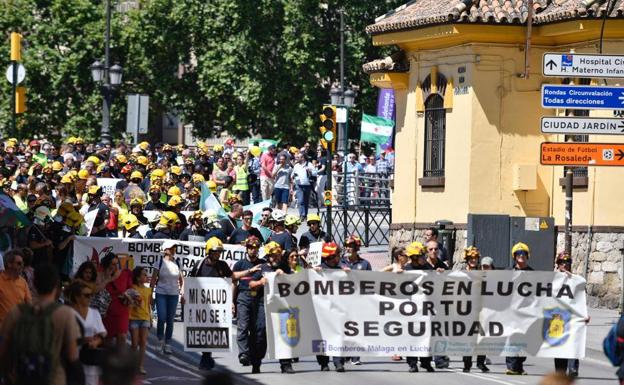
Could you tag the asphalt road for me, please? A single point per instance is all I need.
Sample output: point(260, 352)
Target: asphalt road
point(181, 369)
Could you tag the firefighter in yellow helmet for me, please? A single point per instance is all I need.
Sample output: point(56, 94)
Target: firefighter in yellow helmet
point(520, 254)
point(211, 266)
point(167, 225)
point(131, 225)
point(251, 338)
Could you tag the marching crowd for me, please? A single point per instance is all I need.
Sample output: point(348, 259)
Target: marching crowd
point(54, 187)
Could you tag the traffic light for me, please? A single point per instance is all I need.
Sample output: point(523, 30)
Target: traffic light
point(328, 126)
point(16, 46)
point(20, 100)
point(327, 197)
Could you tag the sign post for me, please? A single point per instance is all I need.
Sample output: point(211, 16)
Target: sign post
point(582, 154)
point(581, 125)
point(582, 97)
point(583, 65)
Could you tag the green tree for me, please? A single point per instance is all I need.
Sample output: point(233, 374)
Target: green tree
point(264, 67)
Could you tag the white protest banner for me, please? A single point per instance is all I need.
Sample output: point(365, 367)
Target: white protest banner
point(89, 219)
point(314, 253)
point(208, 315)
point(362, 313)
point(147, 253)
point(108, 185)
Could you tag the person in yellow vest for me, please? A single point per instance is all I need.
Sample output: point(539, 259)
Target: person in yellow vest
point(241, 185)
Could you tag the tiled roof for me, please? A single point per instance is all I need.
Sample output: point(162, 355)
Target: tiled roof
point(418, 13)
point(396, 62)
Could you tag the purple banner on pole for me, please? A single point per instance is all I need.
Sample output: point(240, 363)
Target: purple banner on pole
point(385, 109)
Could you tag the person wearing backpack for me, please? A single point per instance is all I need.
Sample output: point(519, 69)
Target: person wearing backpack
point(40, 340)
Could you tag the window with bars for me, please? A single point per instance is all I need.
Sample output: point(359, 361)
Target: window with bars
point(435, 136)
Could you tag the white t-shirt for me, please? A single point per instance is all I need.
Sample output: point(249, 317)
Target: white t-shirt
point(92, 325)
point(168, 277)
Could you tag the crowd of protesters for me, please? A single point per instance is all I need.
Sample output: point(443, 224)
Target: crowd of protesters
point(54, 187)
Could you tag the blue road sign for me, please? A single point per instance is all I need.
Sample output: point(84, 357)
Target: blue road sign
point(582, 97)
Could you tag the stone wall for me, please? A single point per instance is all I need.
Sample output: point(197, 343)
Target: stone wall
point(604, 268)
point(405, 236)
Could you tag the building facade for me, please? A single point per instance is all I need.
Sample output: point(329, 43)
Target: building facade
point(467, 78)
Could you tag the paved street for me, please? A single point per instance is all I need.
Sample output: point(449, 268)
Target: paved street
point(180, 368)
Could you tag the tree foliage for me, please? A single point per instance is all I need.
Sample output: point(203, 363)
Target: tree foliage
point(263, 66)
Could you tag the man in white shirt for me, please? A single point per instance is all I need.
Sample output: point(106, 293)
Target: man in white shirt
point(302, 171)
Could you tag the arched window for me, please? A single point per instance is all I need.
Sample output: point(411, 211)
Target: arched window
point(435, 136)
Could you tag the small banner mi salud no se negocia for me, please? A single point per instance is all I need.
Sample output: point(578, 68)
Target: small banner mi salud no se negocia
point(363, 313)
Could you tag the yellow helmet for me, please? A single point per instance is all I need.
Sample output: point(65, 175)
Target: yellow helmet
point(154, 188)
point(74, 219)
point(217, 148)
point(130, 221)
point(94, 159)
point(167, 147)
point(174, 190)
point(136, 175)
point(83, 174)
point(520, 247)
point(142, 160)
point(212, 186)
point(198, 178)
point(175, 170)
point(79, 140)
point(255, 151)
point(194, 192)
point(197, 214)
point(313, 218)
point(293, 150)
point(121, 158)
point(272, 248)
point(292, 220)
point(214, 244)
point(158, 173)
point(71, 140)
point(471, 252)
point(169, 218)
point(57, 166)
point(47, 169)
point(415, 248)
point(94, 190)
point(136, 201)
point(175, 200)
point(144, 146)
point(65, 209)
point(67, 179)
point(100, 167)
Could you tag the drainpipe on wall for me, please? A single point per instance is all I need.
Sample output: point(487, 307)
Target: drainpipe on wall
point(527, 45)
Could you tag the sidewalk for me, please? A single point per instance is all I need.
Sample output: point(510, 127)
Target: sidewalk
point(599, 325)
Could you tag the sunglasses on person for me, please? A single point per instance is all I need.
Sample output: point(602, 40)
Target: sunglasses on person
point(433, 249)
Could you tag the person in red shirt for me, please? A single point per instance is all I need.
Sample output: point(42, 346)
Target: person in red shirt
point(118, 314)
point(267, 162)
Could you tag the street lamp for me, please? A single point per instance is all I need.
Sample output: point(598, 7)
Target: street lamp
point(109, 77)
point(349, 98)
point(334, 95)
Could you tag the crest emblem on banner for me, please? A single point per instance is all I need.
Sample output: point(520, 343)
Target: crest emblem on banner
point(289, 325)
point(556, 326)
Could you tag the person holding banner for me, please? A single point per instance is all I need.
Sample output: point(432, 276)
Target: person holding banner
point(415, 251)
point(211, 266)
point(471, 263)
point(331, 260)
point(563, 264)
point(250, 307)
point(520, 253)
point(168, 284)
point(274, 264)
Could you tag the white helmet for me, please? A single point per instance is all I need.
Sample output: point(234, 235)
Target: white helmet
point(211, 219)
point(278, 216)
